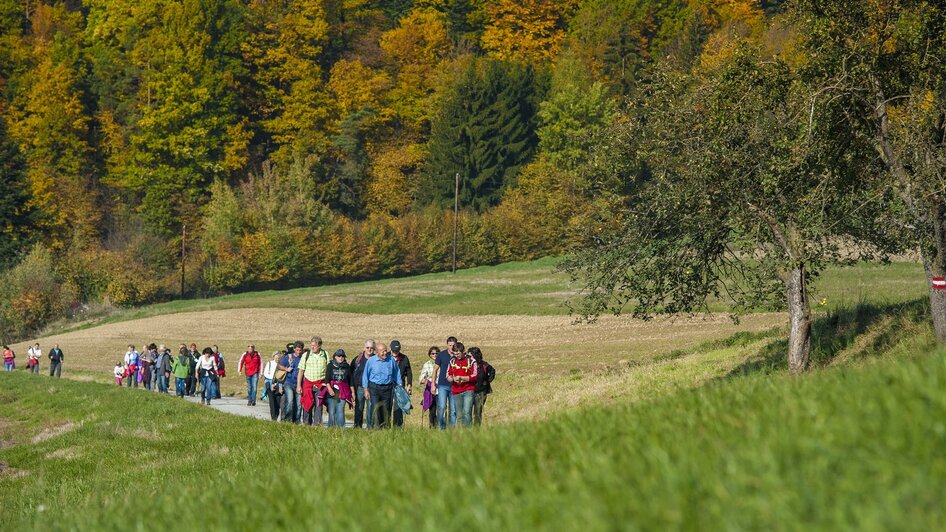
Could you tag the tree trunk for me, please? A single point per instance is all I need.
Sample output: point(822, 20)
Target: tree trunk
point(799, 319)
point(934, 262)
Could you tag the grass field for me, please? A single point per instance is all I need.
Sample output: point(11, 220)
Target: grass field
point(689, 423)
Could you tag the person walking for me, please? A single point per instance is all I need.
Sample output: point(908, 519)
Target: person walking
point(181, 366)
point(221, 371)
point(207, 371)
point(442, 387)
point(407, 376)
point(33, 354)
point(250, 363)
point(146, 373)
point(358, 371)
point(9, 359)
point(338, 392)
point(310, 381)
point(162, 368)
point(380, 376)
point(269, 371)
point(273, 389)
point(427, 379)
point(191, 381)
point(119, 373)
point(55, 361)
point(132, 359)
point(486, 373)
point(291, 401)
point(462, 374)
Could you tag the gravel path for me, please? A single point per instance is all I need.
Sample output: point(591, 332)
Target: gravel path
point(238, 407)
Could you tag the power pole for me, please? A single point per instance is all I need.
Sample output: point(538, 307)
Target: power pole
point(183, 257)
point(456, 213)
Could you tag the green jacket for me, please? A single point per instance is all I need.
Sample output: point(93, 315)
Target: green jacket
point(181, 366)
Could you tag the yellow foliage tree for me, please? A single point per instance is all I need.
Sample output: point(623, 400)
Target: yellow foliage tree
point(530, 31)
point(394, 177)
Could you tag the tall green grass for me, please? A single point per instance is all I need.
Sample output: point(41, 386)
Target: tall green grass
point(862, 447)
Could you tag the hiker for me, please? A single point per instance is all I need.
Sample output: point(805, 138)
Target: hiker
point(407, 376)
point(190, 383)
point(291, 400)
point(132, 359)
point(162, 368)
point(427, 377)
point(33, 355)
point(221, 371)
point(9, 358)
point(250, 363)
point(310, 381)
point(144, 373)
point(119, 373)
point(150, 359)
point(273, 389)
point(268, 371)
point(380, 375)
point(442, 388)
point(462, 374)
point(55, 361)
point(338, 391)
point(181, 366)
point(483, 384)
point(358, 370)
point(207, 370)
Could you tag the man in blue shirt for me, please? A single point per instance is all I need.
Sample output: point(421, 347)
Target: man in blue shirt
point(291, 406)
point(380, 376)
point(442, 388)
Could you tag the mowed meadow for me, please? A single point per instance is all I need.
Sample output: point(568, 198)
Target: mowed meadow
point(516, 313)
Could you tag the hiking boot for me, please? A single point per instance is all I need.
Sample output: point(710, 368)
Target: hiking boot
point(202, 401)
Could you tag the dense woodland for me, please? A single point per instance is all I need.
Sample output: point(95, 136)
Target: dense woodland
point(313, 141)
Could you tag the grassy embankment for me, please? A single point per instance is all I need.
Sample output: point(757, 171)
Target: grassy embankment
point(858, 447)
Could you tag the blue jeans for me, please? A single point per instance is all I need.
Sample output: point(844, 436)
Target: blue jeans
point(208, 392)
point(251, 384)
point(267, 384)
point(291, 404)
point(443, 396)
point(162, 383)
point(464, 403)
point(336, 411)
point(181, 386)
point(8, 366)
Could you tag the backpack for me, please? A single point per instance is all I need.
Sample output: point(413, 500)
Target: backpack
point(220, 364)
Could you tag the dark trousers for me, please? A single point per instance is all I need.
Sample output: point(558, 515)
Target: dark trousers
point(432, 413)
point(190, 384)
point(381, 395)
point(275, 402)
point(360, 403)
point(55, 368)
point(479, 400)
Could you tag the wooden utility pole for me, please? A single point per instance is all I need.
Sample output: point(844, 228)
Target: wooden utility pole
point(456, 214)
point(183, 257)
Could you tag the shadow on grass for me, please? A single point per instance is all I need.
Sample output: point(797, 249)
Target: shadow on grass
point(846, 334)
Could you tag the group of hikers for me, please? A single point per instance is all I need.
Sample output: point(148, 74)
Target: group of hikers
point(304, 384)
point(33, 355)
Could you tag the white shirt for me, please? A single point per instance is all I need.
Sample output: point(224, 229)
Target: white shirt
point(270, 370)
point(129, 357)
point(207, 362)
point(35, 352)
point(119, 371)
